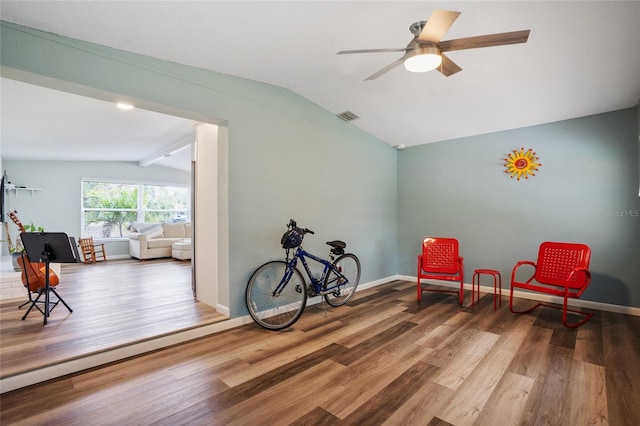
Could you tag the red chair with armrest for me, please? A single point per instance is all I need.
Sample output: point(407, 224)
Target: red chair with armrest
point(440, 260)
point(562, 269)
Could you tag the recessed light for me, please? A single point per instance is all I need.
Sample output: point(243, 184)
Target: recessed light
point(123, 105)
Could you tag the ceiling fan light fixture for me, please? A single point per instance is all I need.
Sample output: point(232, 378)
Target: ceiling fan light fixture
point(423, 59)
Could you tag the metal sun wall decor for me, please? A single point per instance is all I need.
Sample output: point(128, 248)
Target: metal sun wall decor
point(521, 163)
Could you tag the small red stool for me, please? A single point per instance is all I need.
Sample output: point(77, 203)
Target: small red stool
point(497, 285)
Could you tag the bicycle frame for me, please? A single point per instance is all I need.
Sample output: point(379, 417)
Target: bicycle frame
point(274, 306)
point(316, 283)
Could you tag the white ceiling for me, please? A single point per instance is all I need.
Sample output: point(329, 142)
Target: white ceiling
point(582, 58)
point(44, 124)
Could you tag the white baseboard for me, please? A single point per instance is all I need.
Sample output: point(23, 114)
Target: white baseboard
point(119, 256)
point(126, 351)
point(224, 310)
point(620, 309)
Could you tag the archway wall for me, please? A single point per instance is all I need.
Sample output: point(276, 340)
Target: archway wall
point(286, 156)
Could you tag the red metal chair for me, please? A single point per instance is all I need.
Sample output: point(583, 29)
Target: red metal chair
point(440, 261)
point(562, 269)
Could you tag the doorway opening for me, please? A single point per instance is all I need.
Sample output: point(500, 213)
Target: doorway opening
point(210, 236)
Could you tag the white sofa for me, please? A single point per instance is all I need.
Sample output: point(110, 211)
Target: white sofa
point(154, 240)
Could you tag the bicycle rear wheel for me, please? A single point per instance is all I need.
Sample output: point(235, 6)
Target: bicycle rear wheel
point(275, 312)
point(349, 266)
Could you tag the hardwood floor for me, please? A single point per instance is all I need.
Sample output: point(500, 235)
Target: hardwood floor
point(114, 303)
point(382, 359)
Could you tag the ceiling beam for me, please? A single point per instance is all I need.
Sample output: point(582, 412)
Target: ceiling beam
point(166, 151)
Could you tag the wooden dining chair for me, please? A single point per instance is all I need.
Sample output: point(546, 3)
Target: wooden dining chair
point(91, 251)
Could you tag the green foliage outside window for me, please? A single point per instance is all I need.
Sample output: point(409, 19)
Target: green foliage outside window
point(110, 207)
point(115, 206)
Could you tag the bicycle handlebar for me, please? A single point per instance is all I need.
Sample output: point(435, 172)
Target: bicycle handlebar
point(293, 224)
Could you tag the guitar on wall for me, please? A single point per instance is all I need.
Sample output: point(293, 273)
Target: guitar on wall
point(33, 273)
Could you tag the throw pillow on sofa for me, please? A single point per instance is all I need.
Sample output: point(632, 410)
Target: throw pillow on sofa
point(151, 230)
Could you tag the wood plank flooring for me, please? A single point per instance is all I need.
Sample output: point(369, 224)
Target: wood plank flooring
point(381, 360)
point(114, 303)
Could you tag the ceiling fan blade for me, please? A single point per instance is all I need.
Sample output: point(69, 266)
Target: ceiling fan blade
point(448, 67)
point(346, 52)
point(438, 24)
point(389, 67)
point(488, 40)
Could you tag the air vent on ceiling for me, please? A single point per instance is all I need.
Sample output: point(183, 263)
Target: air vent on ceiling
point(347, 116)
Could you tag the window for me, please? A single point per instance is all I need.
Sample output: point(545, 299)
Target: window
point(109, 207)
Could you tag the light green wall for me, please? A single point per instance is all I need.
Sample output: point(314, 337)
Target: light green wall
point(57, 206)
point(288, 158)
point(585, 191)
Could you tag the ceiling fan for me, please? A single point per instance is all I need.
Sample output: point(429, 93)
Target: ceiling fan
point(425, 51)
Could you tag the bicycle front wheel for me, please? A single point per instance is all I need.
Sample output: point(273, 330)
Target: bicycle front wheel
point(341, 286)
point(272, 305)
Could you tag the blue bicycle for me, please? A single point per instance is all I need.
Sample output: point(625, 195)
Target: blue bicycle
point(277, 292)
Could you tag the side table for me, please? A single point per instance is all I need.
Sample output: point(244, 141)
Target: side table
point(497, 285)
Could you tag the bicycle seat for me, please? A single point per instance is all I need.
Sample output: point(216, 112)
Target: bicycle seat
point(337, 244)
point(338, 247)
